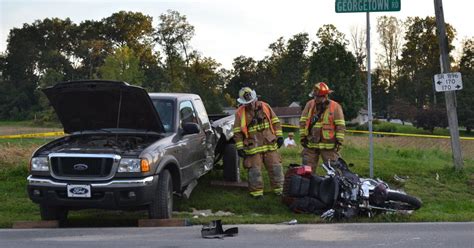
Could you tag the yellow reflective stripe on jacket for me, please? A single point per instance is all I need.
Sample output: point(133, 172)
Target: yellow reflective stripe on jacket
point(328, 125)
point(259, 149)
point(243, 123)
point(340, 135)
point(243, 118)
point(239, 145)
point(259, 127)
point(340, 123)
point(303, 118)
point(237, 130)
point(303, 132)
point(256, 193)
point(275, 120)
point(279, 133)
point(321, 145)
point(278, 190)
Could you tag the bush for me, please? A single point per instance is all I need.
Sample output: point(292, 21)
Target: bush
point(430, 118)
point(386, 127)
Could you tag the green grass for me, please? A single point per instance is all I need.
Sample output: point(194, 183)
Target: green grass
point(25, 142)
point(448, 198)
point(30, 124)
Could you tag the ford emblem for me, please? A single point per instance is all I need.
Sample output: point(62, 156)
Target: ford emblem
point(79, 191)
point(80, 167)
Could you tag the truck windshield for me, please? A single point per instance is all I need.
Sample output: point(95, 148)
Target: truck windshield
point(165, 109)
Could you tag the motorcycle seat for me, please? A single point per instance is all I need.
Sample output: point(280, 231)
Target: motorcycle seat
point(328, 191)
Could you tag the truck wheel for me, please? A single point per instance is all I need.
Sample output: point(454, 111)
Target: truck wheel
point(162, 205)
point(231, 163)
point(53, 213)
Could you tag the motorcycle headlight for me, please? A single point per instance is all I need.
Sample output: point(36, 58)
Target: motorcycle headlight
point(129, 165)
point(39, 164)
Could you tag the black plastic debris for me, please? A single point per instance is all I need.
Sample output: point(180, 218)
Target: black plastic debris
point(215, 231)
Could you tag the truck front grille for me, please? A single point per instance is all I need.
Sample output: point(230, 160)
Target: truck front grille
point(82, 166)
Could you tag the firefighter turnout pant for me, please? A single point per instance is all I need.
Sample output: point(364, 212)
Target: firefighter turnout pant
point(311, 156)
point(254, 164)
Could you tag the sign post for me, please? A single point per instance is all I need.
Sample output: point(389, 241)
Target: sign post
point(349, 6)
point(446, 81)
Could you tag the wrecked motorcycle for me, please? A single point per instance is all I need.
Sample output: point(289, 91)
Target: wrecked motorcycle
point(353, 195)
point(341, 193)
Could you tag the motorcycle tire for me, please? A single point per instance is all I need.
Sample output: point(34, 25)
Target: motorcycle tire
point(402, 201)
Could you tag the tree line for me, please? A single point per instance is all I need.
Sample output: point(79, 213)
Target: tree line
point(126, 46)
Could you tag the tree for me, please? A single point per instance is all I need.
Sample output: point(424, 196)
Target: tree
point(420, 61)
point(402, 110)
point(381, 98)
point(331, 62)
point(280, 77)
point(465, 98)
point(293, 66)
point(430, 118)
point(244, 73)
point(174, 34)
point(390, 30)
point(131, 29)
point(31, 51)
point(135, 30)
point(358, 40)
point(123, 65)
point(206, 80)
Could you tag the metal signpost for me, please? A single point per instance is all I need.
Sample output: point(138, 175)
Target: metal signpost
point(349, 6)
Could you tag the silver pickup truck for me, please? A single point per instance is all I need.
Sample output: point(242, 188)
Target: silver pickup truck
point(126, 149)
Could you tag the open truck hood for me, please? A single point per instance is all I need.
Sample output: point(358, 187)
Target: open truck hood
point(98, 104)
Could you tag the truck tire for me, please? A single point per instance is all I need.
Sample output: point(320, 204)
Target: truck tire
point(161, 206)
point(231, 163)
point(53, 213)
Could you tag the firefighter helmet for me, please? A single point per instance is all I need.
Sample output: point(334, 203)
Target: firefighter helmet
point(321, 89)
point(247, 95)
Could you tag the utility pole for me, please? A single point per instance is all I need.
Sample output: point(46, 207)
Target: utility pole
point(449, 95)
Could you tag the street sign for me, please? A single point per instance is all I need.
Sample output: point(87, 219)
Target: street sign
point(346, 6)
point(448, 81)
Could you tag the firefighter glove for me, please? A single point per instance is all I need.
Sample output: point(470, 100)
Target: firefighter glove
point(280, 141)
point(241, 153)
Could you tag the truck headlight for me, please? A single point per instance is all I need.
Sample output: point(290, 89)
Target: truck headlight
point(129, 165)
point(39, 164)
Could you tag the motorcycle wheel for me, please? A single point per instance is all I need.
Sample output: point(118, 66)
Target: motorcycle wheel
point(402, 201)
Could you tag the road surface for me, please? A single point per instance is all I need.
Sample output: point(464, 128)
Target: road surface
point(364, 235)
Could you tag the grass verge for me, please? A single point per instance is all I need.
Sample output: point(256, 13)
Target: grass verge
point(447, 195)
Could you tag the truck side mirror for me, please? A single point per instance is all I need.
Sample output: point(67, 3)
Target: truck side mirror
point(191, 128)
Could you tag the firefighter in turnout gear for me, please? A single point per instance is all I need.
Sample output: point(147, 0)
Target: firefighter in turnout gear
point(258, 135)
point(322, 127)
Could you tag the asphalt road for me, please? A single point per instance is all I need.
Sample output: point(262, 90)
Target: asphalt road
point(324, 235)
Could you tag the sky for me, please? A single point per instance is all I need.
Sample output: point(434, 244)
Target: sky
point(226, 29)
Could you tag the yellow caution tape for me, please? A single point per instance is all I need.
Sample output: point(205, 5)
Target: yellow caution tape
point(52, 134)
point(395, 134)
point(32, 135)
